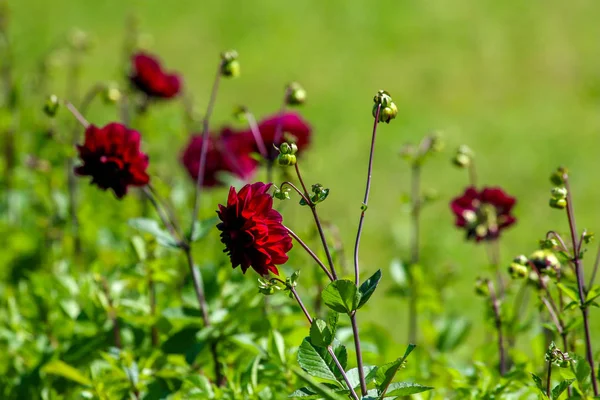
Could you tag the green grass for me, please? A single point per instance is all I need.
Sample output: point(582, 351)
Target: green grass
point(519, 82)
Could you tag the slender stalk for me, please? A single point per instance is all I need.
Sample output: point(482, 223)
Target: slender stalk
point(152, 196)
point(112, 315)
point(313, 209)
point(580, 285)
point(472, 173)
point(310, 252)
point(498, 322)
point(329, 348)
point(414, 236)
point(80, 118)
point(152, 296)
point(204, 152)
point(548, 379)
point(559, 238)
point(256, 134)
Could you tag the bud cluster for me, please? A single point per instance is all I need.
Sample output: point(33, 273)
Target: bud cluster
point(387, 108)
point(558, 197)
point(555, 356)
point(463, 157)
point(230, 66)
point(287, 154)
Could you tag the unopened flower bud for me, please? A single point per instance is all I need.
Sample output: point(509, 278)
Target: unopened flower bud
point(559, 204)
point(461, 160)
point(544, 260)
point(548, 244)
point(388, 109)
point(558, 176)
point(521, 260)
point(587, 237)
point(559, 193)
point(286, 160)
point(296, 94)
point(482, 287)
point(517, 270)
point(285, 148)
point(51, 106)
point(230, 66)
point(112, 94)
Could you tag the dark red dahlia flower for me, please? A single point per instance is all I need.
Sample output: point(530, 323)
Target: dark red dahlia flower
point(149, 77)
point(226, 153)
point(111, 156)
point(293, 129)
point(483, 214)
point(253, 233)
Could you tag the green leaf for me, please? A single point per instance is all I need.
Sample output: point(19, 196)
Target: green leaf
point(398, 273)
point(152, 227)
point(201, 228)
point(561, 387)
point(453, 333)
point(314, 387)
point(538, 383)
point(60, 368)
point(368, 288)
point(569, 291)
point(354, 378)
point(341, 296)
point(333, 322)
point(320, 333)
point(315, 362)
point(406, 388)
point(278, 344)
point(386, 373)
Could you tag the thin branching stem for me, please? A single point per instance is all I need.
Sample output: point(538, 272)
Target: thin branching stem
point(548, 379)
point(580, 285)
point(559, 238)
point(414, 245)
point(310, 252)
point(498, 321)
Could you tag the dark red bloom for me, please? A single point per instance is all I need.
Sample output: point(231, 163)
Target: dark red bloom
point(111, 156)
point(293, 129)
point(149, 77)
point(483, 214)
point(226, 153)
point(253, 233)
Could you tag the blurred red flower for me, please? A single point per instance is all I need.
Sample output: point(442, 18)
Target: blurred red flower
point(252, 231)
point(111, 156)
point(227, 152)
point(483, 214)
point(293, 129)
point(149, 77)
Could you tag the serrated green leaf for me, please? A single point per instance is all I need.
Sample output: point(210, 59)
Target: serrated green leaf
point(354, 378)
point(341, 296)
point(314, 362)
point(320, 334)
point(386, 373)
point(368, 287)
point(561, 387)
point(538, 383)
point(401, 389)
point(315, 387)
point(61, 368)
point(569, 291)
point(333, 322)
point(152, 227)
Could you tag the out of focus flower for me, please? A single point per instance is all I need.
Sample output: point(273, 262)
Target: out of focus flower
point(252, 231)
point(150, 78)
point(229, 152)
point(294, 129)
point(483, 214)
point(111, 156)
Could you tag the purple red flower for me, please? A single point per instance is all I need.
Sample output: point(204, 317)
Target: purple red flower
point(226, 153)
point(111, 156)
point(293, 129)
point(483, 214)
point(252, 231)
point(149, 77)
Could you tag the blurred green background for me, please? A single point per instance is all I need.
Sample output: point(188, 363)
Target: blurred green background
point(517, 81)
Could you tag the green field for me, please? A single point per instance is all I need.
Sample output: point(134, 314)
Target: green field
point(519, 82)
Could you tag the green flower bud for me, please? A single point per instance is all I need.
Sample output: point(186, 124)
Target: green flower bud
point(239, 113)
point(521, 260)
point(461, 160)
point(557, 177)
point(286, 160)
point(559, 193)
point(548, 244)
point(559, 204)
point(387, 114)
point(388, 110)
point(51, 106)
point(230, 66)
point(518, 271)
point(482, 287)
point(294, 148)
point(588, 237)
point(285, 148)
point(296, 95)
point(544, 260)
point(112, 94)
